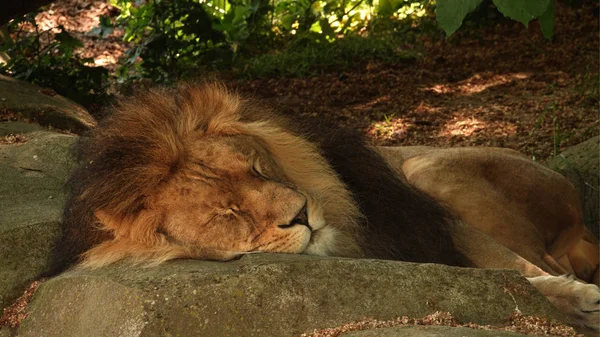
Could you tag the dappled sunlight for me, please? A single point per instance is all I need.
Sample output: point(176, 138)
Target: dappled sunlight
point(467, 126)
point(463, 127)
point(105, 60)
point(477, 83)
point(81, 19)
point(390, 127)
point(411, 10)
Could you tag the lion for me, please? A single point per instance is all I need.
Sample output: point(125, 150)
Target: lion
point(199, 172)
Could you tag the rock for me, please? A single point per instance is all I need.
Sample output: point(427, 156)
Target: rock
point(269, 295)
point(8, 128)
point(581, 165)
point(430, 331)
point(42, 105)
point(6, 332)
point(31, 199)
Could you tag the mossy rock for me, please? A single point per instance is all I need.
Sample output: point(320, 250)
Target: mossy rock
point(33, 174)
point(581, 165)
point(43, 106)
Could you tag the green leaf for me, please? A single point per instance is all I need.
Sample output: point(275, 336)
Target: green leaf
point(451, 13)
point(523, 10)
point(104, 29)
point(385, 8)
point(388, 7)
point(287, 21)
point(241, 13)
point(67, 40)
point(326, 28)
point(547, 21)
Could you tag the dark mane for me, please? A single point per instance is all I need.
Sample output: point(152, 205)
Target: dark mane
point(402, 223)
point(120, 162)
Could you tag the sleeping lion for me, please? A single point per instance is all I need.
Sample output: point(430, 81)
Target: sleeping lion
point(198, 172)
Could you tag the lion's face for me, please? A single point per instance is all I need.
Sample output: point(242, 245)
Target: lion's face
point(231, 197)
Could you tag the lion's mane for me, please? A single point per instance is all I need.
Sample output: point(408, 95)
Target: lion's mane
point(146, 140)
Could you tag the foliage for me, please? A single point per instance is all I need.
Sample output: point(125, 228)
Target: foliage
point(51, 64)
point(175, 37)
point(308, 58)
point(451, 13)
point(179, 38)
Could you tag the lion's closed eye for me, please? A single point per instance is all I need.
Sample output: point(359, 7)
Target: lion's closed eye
point(258, 170)
point(232, 211)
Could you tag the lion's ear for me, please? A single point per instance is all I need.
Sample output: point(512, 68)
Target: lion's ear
point(140, 227)
point(107, 221)
point(135, 237)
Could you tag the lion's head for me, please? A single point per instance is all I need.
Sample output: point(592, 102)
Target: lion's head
point(198, 172)
point(231, 196)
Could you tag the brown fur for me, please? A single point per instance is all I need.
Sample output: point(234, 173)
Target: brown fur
point(536, 213)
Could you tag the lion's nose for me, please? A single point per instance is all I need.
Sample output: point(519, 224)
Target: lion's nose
point(300, 219)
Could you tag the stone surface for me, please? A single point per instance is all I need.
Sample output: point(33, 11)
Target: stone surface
point(6, 332)
point(269, 295)
point(7, 128)
point(430, 331)
point(581, 165)
point(31, 199)
point(42, 105)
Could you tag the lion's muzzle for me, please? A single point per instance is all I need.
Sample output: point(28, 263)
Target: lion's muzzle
point(300, 219)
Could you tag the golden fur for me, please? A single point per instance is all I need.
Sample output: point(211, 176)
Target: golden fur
point(198, 172)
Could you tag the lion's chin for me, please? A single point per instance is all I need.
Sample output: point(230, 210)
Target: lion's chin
point(322, 241)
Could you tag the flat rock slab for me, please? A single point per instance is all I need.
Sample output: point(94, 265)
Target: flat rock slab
point(270, 295)
point(32, 176)
point(42, 105)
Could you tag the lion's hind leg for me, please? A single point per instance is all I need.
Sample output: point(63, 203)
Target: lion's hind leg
point(585, 258)
point(578, 300)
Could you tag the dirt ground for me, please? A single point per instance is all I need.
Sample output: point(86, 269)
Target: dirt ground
point(503, 85)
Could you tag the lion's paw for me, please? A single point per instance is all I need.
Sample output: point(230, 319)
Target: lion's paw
point(580, 301)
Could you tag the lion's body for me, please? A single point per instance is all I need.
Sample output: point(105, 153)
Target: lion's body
point(536, 213)
point(197, 172)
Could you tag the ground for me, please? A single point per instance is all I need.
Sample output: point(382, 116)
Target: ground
point(496, 85)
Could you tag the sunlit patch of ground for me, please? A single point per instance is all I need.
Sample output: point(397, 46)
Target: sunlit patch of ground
point(79, 18)
point(390, 128)
point(467, 126)
point(463, 127)
point(477, 83)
